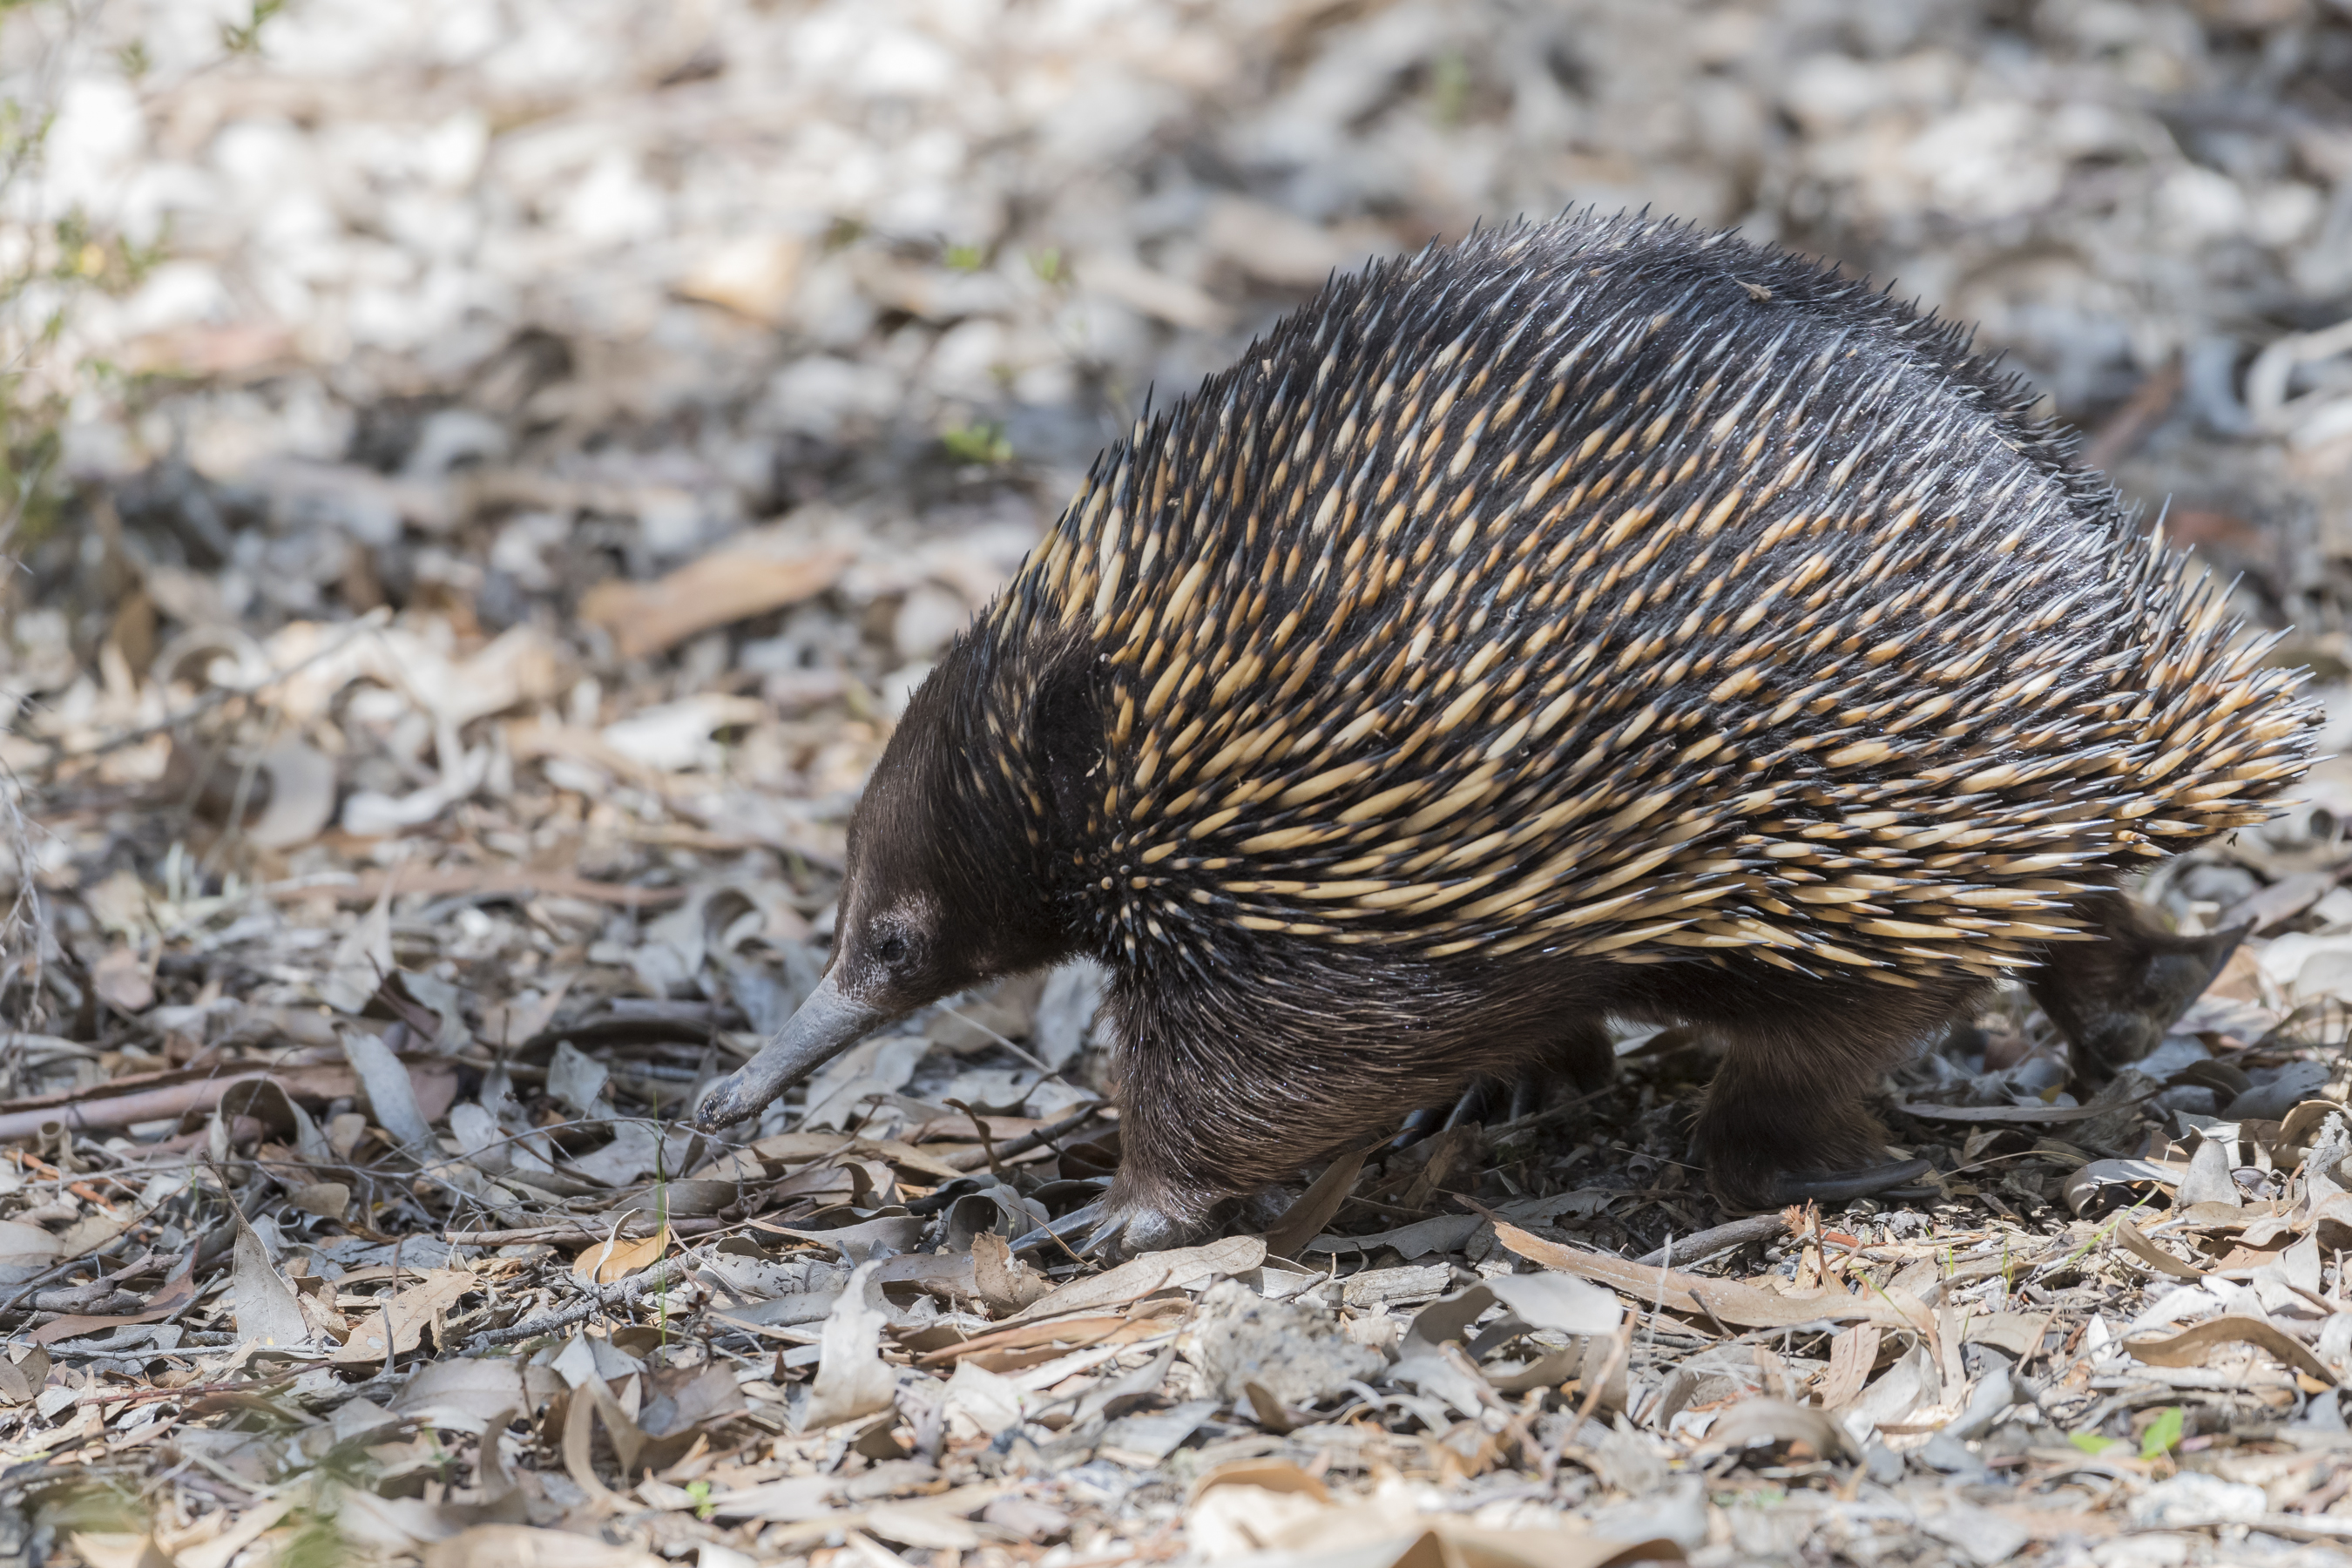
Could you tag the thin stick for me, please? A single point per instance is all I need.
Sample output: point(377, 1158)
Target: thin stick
point(973, 1159)
point(1706, 1244)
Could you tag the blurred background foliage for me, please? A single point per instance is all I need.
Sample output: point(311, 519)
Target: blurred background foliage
point(491, 316)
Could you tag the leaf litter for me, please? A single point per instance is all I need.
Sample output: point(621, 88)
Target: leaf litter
point(387, 881)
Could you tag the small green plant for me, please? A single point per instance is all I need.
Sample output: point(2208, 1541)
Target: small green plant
point(2092, 1442)
point(977, 444)
point(2163, 1434)
point(966, 257)
point(701, 1492)
point(1047, 265)
point(245, 38)
point(316, 1542)
point(1449, 87)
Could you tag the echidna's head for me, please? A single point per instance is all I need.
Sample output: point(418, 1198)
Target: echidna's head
point(948, 880)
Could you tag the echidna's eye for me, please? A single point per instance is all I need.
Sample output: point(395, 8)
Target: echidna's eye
point(891, 950)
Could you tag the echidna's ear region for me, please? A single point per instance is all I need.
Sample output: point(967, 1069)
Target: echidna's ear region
point(1597, 617)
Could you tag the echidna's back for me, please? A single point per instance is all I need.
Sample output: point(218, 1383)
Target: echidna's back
point(1608, 588)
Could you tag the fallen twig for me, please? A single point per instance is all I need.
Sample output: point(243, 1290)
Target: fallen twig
point(1700, 1245)
point(973, 1159)
point(621, 1298)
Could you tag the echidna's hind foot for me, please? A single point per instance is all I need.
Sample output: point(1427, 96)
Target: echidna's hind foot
point(1109, 1229)
point(2114, 998)
point(1084, 1230)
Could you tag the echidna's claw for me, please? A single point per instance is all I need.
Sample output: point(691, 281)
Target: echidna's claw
point(1844, 1186)
point(1093, 1222)
point(1479, 1102)
point(1421, 1124)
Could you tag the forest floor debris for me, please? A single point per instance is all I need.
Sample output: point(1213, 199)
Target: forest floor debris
point(435, 715)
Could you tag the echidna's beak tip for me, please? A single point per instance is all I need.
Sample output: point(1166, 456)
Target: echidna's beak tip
point(826, 1025)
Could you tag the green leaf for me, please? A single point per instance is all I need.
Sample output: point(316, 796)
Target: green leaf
point(2162, 1432)
point(2092, 1443)
point(966, 257)
point(977, 444)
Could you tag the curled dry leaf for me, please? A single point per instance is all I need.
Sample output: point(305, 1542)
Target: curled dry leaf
point(760, 572)
point(26, 1251)
point(1315, 1206)
point(461, 1394)
point(261, 1302)
point(615, 1257)
point(2147, 1252)
point(2190, 1346)
point(2085, 1182)
point(1728, 1302)
point(1853, 1352)
point(1752, 1422)
point(1254, 1507)
point(1177, 1268)
point(123, 981)
point(521, 1546)
point(852, 1379)
point(302, 796)
point(363, 958)
point(398, 1326)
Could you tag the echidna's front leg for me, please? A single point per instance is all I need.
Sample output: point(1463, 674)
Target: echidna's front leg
point(1788, 1117)
point(1220, 1105)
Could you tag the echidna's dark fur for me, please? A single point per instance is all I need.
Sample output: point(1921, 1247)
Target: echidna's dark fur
point(1597, 618)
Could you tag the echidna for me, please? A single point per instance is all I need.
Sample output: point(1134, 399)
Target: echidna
point(1597, 618)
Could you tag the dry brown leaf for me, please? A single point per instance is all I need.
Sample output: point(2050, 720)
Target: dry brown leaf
point(175, 1293)
point(483, 881)
point(1069, 1333)
point(462, 1394)
point(2147, 1252)
point(220, 1551)
point(1853, 1352)
point(578, 1452)
point(1304, 1220)
point(123, 981)
point(616, 1257)
point(26, 1251)
point(302, 796)
point(101, 1549)
point(2000, 1115)
point(752, 276)
point(1759, 1420)
point(1177, 1268)
point(523, 1546)
point(260, 1301)
point(851, 1378)
point(401, 1321)
point(1729, 1302)
point(2190, 1346)
point(1258, 1506)
point(758, 573)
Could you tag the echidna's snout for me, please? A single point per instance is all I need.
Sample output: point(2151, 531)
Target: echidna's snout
point(899, 945)
point(827, 1024)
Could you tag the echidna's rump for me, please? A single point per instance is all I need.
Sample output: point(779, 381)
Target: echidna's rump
point(1596, 618)
point(1608, 587)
